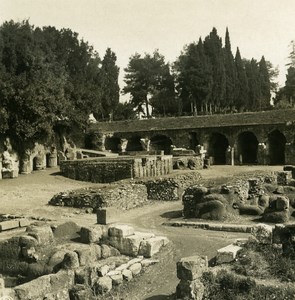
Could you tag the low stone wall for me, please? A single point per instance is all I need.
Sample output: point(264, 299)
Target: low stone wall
point(106, 170)
point(123, 196)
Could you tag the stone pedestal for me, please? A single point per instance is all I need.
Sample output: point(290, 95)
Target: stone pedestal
point(262, 157)
point(52, 160)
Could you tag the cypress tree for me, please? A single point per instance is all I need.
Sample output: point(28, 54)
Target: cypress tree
point(241, 98)
point(230, 71)
point(265, 85)
point(213, 48)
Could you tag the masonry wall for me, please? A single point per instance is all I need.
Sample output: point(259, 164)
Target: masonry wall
point(105, 170)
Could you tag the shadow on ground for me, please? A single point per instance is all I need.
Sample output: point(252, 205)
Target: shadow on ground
point(161, 297)
point(175, 214)
point(56, 174)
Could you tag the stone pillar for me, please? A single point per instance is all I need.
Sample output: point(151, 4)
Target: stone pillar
point(26, 167)
point(230, 155)
point(289, 153)
point(99, 141)
point(262, 154)
point(52, 158)
point(189, 271)
point(123, 145)
point(145, 143)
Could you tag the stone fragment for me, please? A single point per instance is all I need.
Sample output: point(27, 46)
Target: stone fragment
point(11, 224)
point(152, 246)
point(192, 267)
point(24, 222)
point(91, 234)
point(227, 254)
point(81, 292)
point(127, 275)
point(190, 290)
point(122, 267)
point(27, 241)
point(121, 231)
point(117, 279)
point(68, 230)
point(278, 233)
point(135, 268)
point(103, 285)
point(144, 235)
point(71, 260)
point(262, 233)
point(284, 177)
point(135, 260)
point(103, 270)
point(56, 258)
point(106, 215)
point(148, 262)
point(43, 234)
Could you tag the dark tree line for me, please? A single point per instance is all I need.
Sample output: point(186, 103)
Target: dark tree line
point(48, 77)
point(285, 97)
point(206, 78)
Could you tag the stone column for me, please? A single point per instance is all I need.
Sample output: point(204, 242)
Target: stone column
point(26, 167)
point(230, 155)
point(145, 143)
point(289, 154)
point(123, 145)
point(262, 154)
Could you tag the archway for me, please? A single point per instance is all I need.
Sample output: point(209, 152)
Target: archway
point(194, 142)
point(112, 143)
point(277, 143)
point(161, 142)
point(134, 144)
point(247, 147)
point(218, 144)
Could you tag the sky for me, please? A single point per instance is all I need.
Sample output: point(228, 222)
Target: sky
point(257, 27)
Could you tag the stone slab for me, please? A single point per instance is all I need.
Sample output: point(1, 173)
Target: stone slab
point(227, 254)
point(7, 225)
point(121, 231)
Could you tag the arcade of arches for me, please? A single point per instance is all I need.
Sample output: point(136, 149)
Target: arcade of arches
point(244, 147)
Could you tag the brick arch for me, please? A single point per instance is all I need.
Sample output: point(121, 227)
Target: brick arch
point(276, 147)
point(247, 147)
point(134, 144)
point(217, 147)
point(161, 142)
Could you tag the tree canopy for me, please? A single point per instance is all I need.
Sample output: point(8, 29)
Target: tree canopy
point(49, 76)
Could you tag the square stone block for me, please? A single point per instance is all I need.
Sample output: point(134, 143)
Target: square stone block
point(121, 231)
point(227, 254)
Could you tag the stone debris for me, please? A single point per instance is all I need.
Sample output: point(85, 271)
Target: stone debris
point(43, 234)
point(227, 254)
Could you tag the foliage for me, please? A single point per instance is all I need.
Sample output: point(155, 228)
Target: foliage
point(148, 78)
point(49, 77)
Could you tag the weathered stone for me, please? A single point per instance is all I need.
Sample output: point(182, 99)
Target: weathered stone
point(135, 268)
point(69, 230)
point(227, 254)
point(103, 270)
point(148, 262)
point(263, 233)
point(192, 267)
point(279, 233)
point(81, 292)
point(152, 246)
point(190, 290)
point(103, 285)
point(27, 241)
point(284, 177)
point(71, 260)
point(24, 222)
point(91, 234)
point(122, 267)
point(127, 275)
point(43, 234)
point(117, 279)
point(7, 225)
point(106, 215)
point(135, 260)
point(57, 258)
point(121, 231)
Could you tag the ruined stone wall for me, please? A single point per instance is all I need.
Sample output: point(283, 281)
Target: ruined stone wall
point(105, 170)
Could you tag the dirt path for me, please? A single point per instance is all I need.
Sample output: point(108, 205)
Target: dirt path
point(29, 194)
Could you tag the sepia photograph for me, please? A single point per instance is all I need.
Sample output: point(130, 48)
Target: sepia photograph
point(147, 149)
